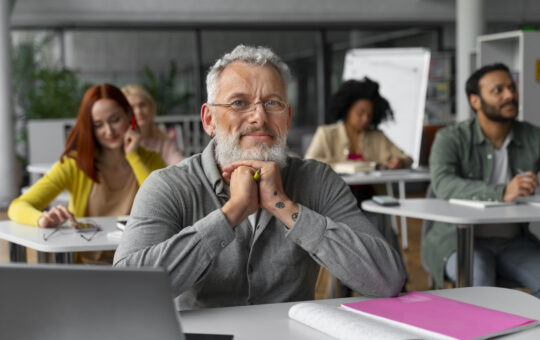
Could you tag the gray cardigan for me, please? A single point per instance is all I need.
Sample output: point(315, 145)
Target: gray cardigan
point(177, 223)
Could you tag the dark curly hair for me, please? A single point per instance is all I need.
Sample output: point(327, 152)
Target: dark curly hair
point(353, 90)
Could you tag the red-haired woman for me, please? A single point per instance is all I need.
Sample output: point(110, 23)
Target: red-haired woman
point(101, 167)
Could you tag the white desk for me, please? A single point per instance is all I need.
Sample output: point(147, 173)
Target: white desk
point(388, 177)
point(63, 242)
point(272, 321)
point(443, 211)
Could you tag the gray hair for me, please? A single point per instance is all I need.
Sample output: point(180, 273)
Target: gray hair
point(248, 54)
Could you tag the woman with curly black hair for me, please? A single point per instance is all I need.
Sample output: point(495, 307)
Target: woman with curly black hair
point(358, 109)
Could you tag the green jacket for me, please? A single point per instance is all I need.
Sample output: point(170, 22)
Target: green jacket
point(461, 164)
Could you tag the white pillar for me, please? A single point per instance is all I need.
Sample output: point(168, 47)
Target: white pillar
point(470, 24)
point(8, 180)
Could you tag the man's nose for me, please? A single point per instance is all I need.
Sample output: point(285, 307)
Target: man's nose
point(509, 94)
point(258, 112)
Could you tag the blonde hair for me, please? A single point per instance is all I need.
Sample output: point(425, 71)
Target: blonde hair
point(137, 90)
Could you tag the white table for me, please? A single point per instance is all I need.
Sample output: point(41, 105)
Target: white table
point(388, 177)
point(62, 243)
point(271, 321)
point(465, 217)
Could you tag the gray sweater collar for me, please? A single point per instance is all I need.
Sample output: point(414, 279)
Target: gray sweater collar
point(210, 167)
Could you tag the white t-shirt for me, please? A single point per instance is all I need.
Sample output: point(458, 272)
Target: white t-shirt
point(500, 175)
point(501, 172)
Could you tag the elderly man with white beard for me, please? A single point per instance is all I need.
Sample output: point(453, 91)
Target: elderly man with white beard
point(242, 223)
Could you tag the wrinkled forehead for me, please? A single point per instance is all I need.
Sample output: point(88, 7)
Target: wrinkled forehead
point(251, 79)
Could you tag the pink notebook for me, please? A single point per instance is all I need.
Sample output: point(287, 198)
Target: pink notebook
point(443, 316)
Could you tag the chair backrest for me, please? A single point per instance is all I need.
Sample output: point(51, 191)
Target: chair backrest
point(428, 136)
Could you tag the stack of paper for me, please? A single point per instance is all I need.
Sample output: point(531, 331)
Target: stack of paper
point(350, 167)
point(530, 200)
point(479, 204)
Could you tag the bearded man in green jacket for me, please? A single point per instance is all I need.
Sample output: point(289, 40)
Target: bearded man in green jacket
point(491, 157)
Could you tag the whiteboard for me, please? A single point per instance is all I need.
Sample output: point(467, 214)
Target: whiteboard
point(402, 74)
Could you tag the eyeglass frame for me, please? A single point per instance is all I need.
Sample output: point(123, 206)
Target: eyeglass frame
point(253, 106)
point(48, 236)
point(94, 232)
point(88, 239)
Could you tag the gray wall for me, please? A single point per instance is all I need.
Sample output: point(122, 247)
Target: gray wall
point(76, 12)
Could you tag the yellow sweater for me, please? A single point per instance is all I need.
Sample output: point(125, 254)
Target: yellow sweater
point(27, 208)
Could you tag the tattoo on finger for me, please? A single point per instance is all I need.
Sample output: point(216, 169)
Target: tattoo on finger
point(280, 205)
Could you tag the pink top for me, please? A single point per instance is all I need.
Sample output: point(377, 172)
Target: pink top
point(166, 147)
point(355, 156)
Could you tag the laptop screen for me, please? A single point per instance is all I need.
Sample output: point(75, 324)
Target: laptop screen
point(86, 302)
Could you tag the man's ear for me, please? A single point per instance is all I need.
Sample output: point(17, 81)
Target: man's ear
point(208, 120)
point(475, 101)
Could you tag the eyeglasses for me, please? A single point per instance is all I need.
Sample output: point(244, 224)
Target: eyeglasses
point(242, 106)
point(87, 227)
point(82, 228)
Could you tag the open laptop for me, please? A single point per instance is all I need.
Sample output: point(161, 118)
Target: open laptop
point(86, 302)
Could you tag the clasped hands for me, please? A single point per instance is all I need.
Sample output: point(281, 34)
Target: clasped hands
point(247, 194)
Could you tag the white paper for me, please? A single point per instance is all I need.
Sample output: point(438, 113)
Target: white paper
point(344, 325)
point(479, 204)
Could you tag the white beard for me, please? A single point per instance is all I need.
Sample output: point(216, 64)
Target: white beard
point(228, 150)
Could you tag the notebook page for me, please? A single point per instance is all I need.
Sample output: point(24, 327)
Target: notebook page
point(345, 325)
